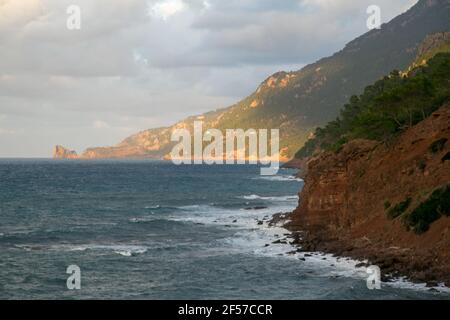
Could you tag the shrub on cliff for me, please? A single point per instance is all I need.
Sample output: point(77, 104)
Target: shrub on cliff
point(437, 205)
point(387, 205)
point(387, 107)
point(438, 145)
point(399, 209)
point(446, 157)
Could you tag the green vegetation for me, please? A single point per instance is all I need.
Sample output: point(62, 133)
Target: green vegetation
point(437, 205)
point(387, 205)
point(446, 157)
point(431, 53)
point(388, 107)
point(438, 145)
point(399, 209)
point(435, 46)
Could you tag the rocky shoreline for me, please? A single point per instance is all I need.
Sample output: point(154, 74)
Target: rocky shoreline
point(348, 197)
point(395, 263)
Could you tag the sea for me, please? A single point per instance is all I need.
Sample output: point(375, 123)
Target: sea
point(141, 229)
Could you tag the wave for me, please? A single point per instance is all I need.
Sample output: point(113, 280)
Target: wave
point(252, 234)
point(280, 178)
point(130, 252)
point(142, 220)
point(153, 207)
point(276, 242)
point(123, 250)
point(278, 198)
point(403, 283)
point(163, 209)
point(191, 207)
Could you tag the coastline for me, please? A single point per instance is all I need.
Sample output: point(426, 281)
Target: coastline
point(348, 196)
point(396, 272)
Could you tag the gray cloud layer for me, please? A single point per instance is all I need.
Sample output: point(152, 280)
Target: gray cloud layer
point(138, 64)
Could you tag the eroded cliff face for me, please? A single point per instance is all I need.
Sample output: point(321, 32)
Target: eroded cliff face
point(59, 152)
point(343, 206)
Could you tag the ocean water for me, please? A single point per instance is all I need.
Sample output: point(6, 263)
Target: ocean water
point(153, 230)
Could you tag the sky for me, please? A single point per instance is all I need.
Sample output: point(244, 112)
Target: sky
point(140, 64)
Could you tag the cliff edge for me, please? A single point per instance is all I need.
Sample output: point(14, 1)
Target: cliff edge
point(387, 203)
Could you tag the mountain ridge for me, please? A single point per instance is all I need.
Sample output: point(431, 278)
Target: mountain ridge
point(298, 102)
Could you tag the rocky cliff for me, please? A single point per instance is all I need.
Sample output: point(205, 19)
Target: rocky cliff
point(60, 152)
point(363, 201)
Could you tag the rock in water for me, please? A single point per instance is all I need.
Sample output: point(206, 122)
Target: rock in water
point(59, 152)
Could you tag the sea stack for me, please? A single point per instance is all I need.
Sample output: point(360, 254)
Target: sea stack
point(59, 152)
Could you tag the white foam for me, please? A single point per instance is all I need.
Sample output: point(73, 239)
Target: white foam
point(192, 207)
point(280, 178)
point(279, 198)
point(252, 237)
point(123, 250)
point(153, 207)
point(225, 217)
point(403, 283)
point(24, 247)
point(141, 219)
point(132, 252)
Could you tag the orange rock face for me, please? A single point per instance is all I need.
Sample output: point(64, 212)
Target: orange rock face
point(342, 207)
point(60, 152)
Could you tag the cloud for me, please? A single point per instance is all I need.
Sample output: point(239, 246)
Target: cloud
point(167, 8)
point(19, 13)
point(98, 124)
point(7, 131)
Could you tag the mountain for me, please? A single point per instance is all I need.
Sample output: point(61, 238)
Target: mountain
point(376, 113)
point(377, 186)
point(298, 102)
